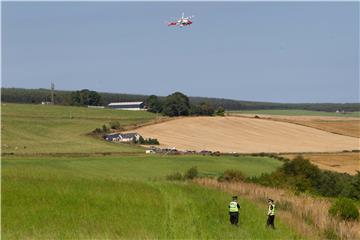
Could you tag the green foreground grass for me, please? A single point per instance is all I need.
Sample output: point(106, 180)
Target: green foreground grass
point(32, 129)
point(126, 197)
point(298, 113)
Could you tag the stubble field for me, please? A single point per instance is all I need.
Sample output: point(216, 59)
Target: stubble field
point(246, 135)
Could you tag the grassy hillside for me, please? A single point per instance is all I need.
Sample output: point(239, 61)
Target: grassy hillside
point(298, 113)
point(32, 129)
point(111, 197)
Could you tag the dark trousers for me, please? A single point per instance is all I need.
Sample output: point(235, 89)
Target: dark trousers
point(270, 221)
point(234, 217)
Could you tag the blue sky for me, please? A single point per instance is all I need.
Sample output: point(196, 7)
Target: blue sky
point(275, 51)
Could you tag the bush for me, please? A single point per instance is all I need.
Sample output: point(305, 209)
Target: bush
point(220, 111)
point(232, 175)
point(345, 209)
point(97, 131)
point(105, 129)
point(191, 173)
point(174, 177)
point(115, 125)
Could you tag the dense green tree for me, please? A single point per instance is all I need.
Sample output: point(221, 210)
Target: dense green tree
point(206, 109)
point(154, 104)
point(85, 97)
point(202, 109)
point(220, 111)
point(176, 104)
point(195, 110)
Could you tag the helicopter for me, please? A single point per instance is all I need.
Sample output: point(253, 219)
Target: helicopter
point(183, 21)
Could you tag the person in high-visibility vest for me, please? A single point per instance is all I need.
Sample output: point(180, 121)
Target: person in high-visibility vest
point(234, 211)
point(271, 214)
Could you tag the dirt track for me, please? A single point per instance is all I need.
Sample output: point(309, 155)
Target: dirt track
point(245, 135)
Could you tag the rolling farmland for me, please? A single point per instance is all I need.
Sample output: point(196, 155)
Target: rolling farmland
point(92, 196)
point(246, 135)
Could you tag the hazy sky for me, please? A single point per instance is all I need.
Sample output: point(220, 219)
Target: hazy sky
point(283, 52)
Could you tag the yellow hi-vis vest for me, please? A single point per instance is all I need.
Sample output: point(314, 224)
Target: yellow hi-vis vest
point(271, 210)
point(233, 207)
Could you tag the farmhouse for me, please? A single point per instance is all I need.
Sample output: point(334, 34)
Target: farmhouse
point(122, 137)
point(127, 105)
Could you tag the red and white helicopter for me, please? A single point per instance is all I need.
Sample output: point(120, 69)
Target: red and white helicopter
point(183, 21)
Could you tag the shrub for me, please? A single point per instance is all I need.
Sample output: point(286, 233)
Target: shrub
point(217, 153)
point(115, 125)
point(220, 111)
point(345, 209)
point(191, 173)
point(174, 177)
point(151, 141)
point(105, 129)
point(97, 131)
point(232, 175)
point(141, 140)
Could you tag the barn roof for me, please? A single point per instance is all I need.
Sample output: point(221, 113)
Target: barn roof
point(124, 103)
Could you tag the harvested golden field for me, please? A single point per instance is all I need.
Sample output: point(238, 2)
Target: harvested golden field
point(343, 127)
point(347, 162)
point(349, 126)
point(245, 135)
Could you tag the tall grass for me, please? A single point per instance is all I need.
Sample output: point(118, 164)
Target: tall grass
point(113, 198)
point(307, 214)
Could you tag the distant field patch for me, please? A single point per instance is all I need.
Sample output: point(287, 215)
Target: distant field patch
point(31, 129)
point(347, 162)
point(343, 127)
point(297, 113)
point(348, 126)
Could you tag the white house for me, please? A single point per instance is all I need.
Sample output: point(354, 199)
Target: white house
point(122, 137)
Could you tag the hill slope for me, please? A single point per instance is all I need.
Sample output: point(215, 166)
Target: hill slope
point(92, 198)
point(32, 129)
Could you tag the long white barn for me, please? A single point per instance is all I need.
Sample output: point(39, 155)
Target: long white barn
point(127, 105)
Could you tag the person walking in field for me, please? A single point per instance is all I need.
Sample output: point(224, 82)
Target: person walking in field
point(234, 211)
point(271, 214)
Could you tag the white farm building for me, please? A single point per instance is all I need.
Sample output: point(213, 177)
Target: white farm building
point(127, 105)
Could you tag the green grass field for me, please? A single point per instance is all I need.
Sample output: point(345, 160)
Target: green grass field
point(126, 197)
point(298, 113)
point(31, 129)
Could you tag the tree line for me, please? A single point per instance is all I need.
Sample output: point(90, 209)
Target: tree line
point(178, 104)
point(36, 96)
